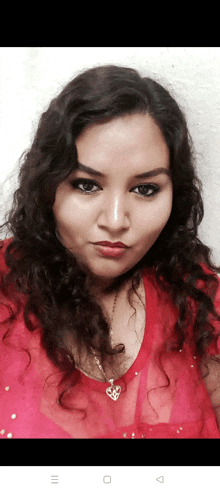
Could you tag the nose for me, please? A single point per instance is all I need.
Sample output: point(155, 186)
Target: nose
point(114, 215)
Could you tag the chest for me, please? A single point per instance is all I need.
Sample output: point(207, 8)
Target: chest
point(128, 328)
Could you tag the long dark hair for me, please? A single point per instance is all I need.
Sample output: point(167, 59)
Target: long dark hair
point(44, 273)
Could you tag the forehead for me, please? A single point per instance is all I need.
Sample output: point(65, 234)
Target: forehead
point(133, 137)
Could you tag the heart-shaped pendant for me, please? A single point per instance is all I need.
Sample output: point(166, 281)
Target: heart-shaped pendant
point(113, 391)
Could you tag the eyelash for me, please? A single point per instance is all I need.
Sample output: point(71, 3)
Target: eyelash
point(75, 184)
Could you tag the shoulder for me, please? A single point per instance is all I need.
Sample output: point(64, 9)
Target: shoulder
point(214, 348)
point(3, 247)
point(149, 276)
point(216, 276)
point(4, 244)
point(207, 269)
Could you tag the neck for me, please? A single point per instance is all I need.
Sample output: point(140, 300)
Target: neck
point(102, 289)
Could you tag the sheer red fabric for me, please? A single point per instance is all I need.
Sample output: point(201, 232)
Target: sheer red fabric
point(147, 407)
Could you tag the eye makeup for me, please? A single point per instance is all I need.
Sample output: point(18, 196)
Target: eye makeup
point(89, 184)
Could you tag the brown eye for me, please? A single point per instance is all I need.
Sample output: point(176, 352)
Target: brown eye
point(86, 184)
point(144, 189)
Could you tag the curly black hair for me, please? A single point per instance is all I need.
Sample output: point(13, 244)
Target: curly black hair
point(45, 274)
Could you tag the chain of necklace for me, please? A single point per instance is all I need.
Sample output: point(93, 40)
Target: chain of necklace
point(114, 390)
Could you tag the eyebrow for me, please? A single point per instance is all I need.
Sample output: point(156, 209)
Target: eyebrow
point(147, 174)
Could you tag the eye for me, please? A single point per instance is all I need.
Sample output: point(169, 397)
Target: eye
point(87, 184)
point(145, 188)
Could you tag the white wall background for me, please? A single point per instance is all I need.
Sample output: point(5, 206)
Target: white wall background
point(31, 77)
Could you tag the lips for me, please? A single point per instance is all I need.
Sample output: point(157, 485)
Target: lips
point(118, 244)
point(110, 251)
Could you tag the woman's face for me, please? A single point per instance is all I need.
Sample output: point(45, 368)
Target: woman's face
point(112, 203)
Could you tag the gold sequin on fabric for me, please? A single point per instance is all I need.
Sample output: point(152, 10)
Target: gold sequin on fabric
point(13, 416)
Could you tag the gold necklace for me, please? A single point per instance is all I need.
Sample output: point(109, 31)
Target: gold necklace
point(114, 390)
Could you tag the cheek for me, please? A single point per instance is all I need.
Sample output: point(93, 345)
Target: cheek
point(62, 210)
point(157, 218)
point(163, 214)
point(72, 221)
point(164, 207)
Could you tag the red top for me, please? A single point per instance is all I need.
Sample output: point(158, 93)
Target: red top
point(29, 406)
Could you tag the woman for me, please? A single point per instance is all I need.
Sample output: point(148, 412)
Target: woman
point(105, 284)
